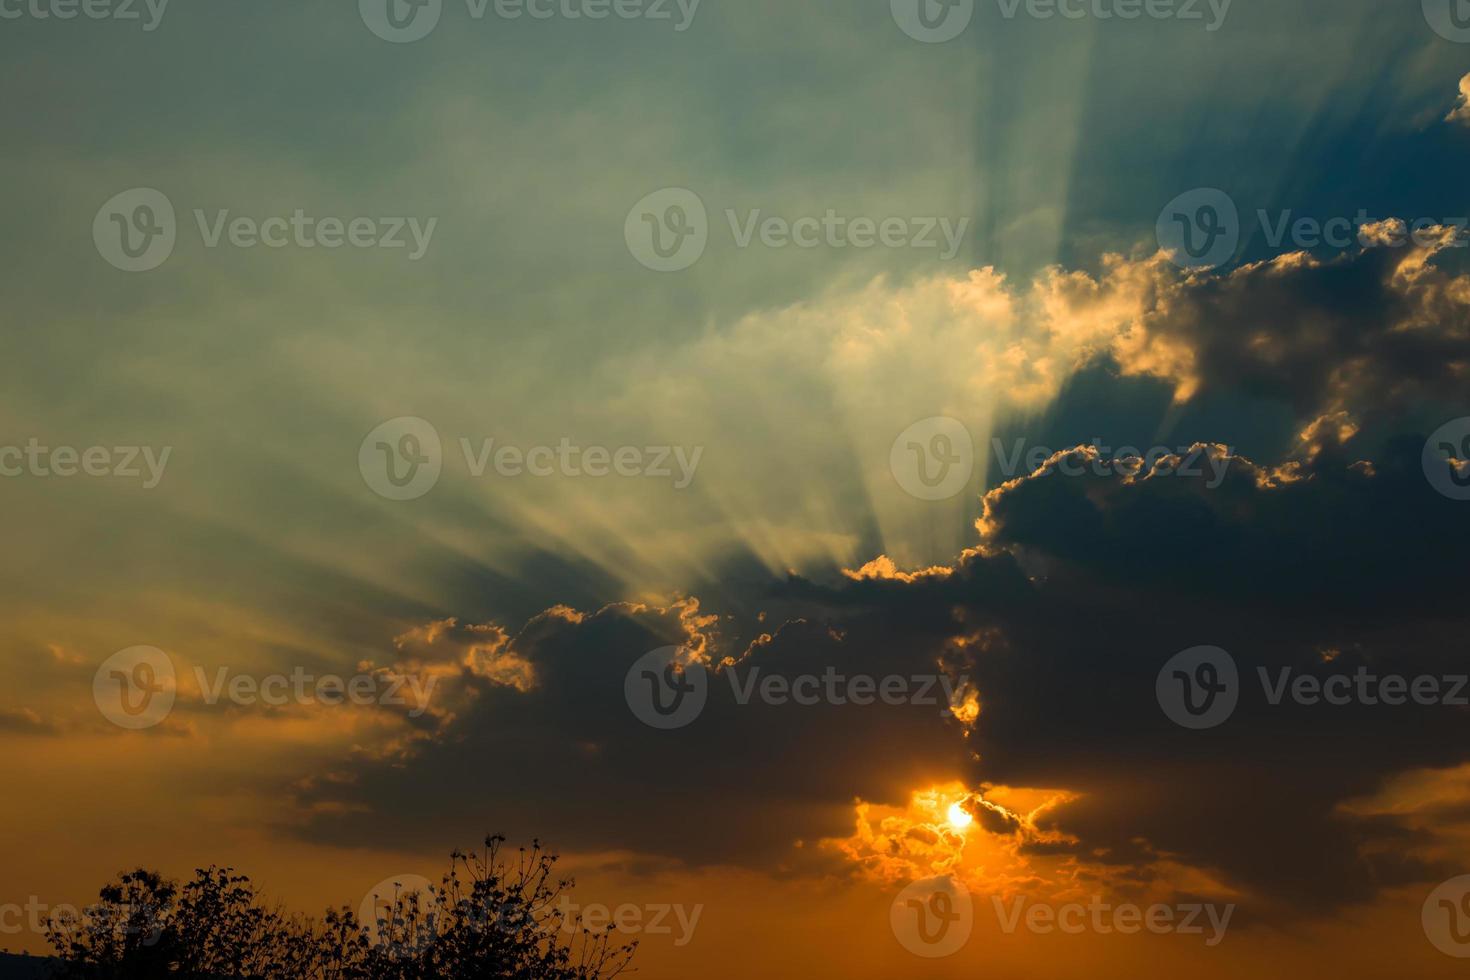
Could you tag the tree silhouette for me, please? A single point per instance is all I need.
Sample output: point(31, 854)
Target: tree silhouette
point(124, 936)
point(492, 917)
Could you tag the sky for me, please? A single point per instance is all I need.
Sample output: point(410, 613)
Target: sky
point(886, 485)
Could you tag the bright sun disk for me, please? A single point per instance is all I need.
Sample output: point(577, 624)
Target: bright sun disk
point(959, 817)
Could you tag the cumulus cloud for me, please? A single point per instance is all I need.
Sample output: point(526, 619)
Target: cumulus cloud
point(1059, 654)
point(1046, 634)
point(1370, 330)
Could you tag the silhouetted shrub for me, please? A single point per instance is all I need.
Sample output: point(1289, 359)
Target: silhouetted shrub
point(491, 917)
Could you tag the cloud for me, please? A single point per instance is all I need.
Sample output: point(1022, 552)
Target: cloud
point(1046, 634)
point(1461, 112)
point(1368, 330)
point(1275, 566)
point(25, 721)
point(569, 758)
point(1371, 330)
point(1124, 571)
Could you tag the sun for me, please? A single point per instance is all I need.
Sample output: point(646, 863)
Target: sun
point(959, 817)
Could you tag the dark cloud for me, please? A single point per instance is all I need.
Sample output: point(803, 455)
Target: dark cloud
point(1337, 558)
point(569, 759)
point(1275, 565)
point(1365, 331)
